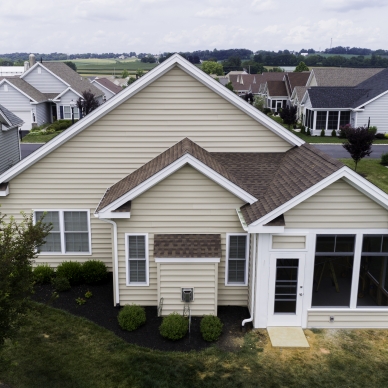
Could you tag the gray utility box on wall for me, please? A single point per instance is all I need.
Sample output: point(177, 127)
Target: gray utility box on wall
point(187, 295)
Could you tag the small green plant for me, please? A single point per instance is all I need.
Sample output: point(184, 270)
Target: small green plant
point(72, 271)
point(211, 328)
point(88, 294)
point(61, 284)
point(174, 326)
point(131, 317)
point(43, 273)
point(94, 272)
point(80, 301)
point(386, 135)
point(384, 159)
point(373, 129)
point(308, 132)
point(334, 133)
point(322, 133)
point(302, 129)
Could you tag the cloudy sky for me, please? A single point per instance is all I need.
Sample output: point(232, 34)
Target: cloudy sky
point(76, 26)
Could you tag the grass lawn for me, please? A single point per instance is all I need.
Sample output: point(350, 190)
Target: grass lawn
point(39, 138)
point(372, 170)
point(56, 349)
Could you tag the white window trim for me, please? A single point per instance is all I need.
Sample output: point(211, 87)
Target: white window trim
point(62, 232)
point(136, 284)
point(76, 115)
point(227, 260)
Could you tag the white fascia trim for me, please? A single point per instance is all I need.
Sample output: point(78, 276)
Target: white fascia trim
point(242, 220)
point(44, 67)
point(111, 214)
point(4, 193)
point(172, 260)
point(368, 102)
point(351, 177)
point(170, 169)
point(133, 89)
point(65, 91)
point(20, 91)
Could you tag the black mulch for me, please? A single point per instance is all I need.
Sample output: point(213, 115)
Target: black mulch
point(99, 309)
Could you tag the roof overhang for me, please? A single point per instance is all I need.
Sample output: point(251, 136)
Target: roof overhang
point(20, 91)
point(69, 89)
point(136, 87)
point(107, 211)
point(351, 177)
point(371, 100)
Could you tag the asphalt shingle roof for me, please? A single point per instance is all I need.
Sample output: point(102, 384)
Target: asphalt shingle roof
point(71, 77)
point(109, 85)
point(187, 246)
point(276, 88)
point(12, 118)
point(273, 178)
point(334, 97)
point(343, 76)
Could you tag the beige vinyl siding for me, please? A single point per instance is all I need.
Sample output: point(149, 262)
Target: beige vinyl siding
point(288, 242)
point(339, 205)
point(200, 276)
point(348, 319)
point(184, 202)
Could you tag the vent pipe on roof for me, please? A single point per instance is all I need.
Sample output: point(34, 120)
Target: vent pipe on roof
point(32, 60)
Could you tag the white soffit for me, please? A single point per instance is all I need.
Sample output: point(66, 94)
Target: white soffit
point(130, 91)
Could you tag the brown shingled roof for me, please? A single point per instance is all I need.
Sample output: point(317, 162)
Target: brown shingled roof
point(187, 246)
point(343, 76)
point(276, 88)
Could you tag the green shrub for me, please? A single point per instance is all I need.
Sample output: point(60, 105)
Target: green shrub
point(322, 133)
point(384, 159)
point(380, 136)
point(386, 135)
point(174, 326)
point(131, 317)
point(94, 272)
point(308, 132)
point(266, 111)
point(372, 129)
point(211, 328)
point(61, 284)
point(43, 273)
point(71, 270)
point(334, 133)
point(302, 129)
point(61, 125)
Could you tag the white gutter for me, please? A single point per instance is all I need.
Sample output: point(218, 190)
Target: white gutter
point(253, 283)
point(116, 260)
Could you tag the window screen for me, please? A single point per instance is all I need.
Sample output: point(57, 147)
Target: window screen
point(344, 118)
point(76, 232)
point(237, 259)
point(321, 120)
point(137, 259)
point(53, 240)
point(332, 121)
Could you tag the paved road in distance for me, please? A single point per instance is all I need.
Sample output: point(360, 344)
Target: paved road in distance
point(339, 152)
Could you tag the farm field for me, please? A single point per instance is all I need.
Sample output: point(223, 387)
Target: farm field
point(90, 67)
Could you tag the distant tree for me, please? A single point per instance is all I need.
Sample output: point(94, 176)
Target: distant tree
point(229, 85)
point(212, 68)
point(301, 67)
point(139, 73)
point(87, 103)
point(19, 245)
point(131, 80)
point(259, 103)
point(125, 74)
point(248, 97)
point(253, 67)
point(359, 143)
point(72, 65)
point(288, 115)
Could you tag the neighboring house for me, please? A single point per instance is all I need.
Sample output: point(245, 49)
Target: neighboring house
point(25, 101)
point(296, 99)
point(107, 87)
point(199, 191)
point(276, 95)
point(330, 107)
point(242, 83)
point(9, 139)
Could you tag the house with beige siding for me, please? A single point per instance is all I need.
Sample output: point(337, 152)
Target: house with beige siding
point(194, 199)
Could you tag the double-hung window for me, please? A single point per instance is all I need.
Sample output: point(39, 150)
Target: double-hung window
point(237, 259)
point(70, 233)
point(67, 112)
point(137, 259)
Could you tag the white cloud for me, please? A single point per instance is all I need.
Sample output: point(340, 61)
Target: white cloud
point(273, 29)
point(352, 5)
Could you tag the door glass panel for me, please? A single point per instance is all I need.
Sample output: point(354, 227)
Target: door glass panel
point(286, 286)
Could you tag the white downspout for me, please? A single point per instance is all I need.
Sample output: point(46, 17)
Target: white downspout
point(116, 260)
point(253, 283)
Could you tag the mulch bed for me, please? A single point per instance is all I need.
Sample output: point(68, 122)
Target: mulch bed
point(100, 310)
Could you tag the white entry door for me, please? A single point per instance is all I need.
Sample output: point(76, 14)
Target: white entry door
point(286, 289)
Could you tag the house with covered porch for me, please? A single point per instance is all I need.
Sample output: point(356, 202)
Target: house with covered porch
point(199, 200)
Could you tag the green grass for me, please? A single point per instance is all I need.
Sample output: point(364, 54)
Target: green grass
point(39, 138)
point(56, 349)
point(372, 170)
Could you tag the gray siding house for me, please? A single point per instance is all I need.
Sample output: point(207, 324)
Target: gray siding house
point(107, 87)
point(9, 139)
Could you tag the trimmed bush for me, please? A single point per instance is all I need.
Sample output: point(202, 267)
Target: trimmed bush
point(174, 326)
point(384, 159)
point(373, 129)
point(322, 133)
point(131, 317)
point(380, 136)
point(333, 133)
point(308, 132)
point(211, 328)
point(94, 272)
point(386, 136)
point(72, 271)
point(302, 129)
point(61, 284)
point(43, 273)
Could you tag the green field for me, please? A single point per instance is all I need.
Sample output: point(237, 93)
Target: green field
point(89, 67)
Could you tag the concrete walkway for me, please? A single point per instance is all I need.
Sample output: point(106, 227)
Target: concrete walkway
point(287, 337)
